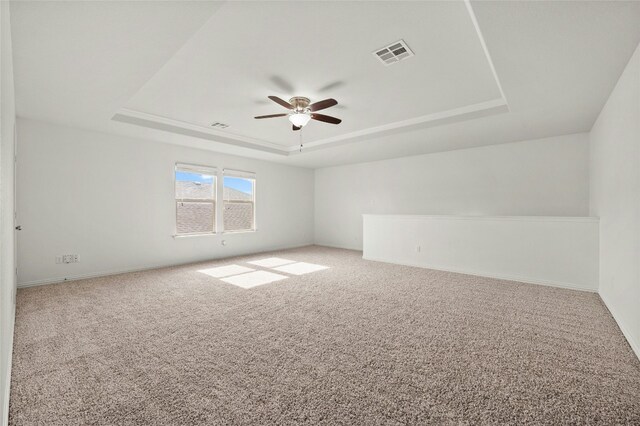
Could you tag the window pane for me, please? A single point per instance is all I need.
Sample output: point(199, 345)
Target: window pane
point(195, 202)
point(239, 207)
point(194, 217)
point(191, 185)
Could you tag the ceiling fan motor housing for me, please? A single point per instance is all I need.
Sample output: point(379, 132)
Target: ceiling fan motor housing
point(300, 103)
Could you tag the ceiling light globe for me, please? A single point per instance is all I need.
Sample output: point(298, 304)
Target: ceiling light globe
point(299, 119)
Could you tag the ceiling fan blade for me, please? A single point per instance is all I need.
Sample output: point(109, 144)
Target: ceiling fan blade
point(296, 127)
point(281, 102)
point(271, 116)
point(326, 118)
point(327, 103)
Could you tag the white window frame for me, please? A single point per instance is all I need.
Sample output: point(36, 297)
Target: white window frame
point(244, 175)
point(206, 170)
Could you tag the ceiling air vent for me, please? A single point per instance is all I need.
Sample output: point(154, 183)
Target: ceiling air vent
point(218, 125)
point(395, 52)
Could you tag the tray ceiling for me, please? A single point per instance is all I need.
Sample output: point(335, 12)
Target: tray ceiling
point(483, 73)
point(244, 53)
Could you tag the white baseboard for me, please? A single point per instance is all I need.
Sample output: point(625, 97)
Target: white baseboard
point(6, 392)
point(346, 247)
point(518, 278)
point(635, 345)
point(59, 280)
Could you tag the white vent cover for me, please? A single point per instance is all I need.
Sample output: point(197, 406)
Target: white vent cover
point(395, 52)
point(218, 125)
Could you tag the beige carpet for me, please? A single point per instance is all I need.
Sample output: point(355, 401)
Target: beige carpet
point(360, 343)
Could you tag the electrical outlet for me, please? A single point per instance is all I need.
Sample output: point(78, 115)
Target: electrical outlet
point(67, 258)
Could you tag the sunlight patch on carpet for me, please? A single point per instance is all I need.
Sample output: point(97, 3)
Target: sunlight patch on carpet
point(254, 279)
point(225, 271)
point(300, 268)
point(271, 262)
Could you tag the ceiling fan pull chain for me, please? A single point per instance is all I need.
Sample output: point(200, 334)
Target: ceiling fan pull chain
point(301, 140)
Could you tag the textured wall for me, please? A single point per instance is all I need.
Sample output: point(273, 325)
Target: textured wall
point(111, 200)
point(545, 177)
point(7, 252)
point(615, 197)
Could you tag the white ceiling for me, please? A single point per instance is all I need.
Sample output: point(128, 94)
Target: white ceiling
point(226, 71)
point(172, 68)
point(79, 62)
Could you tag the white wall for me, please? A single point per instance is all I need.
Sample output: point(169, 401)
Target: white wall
point(615, 197)
point(546, 177)
point(7, 254)
point(110, 199)
point(557, 251)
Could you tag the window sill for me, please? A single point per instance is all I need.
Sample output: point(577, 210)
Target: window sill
point(212, 234)
point(204, 234)
point(244, 231)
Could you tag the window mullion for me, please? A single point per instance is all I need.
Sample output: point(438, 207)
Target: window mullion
point(219, 204)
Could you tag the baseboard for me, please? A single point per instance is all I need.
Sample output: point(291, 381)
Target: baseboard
point(338, 246)
point(99, 274)
point(522, 279)
point(635, 346)
point(6, 392)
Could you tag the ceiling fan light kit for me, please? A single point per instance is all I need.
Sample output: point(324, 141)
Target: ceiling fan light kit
point(300, 115)
point(299, 119)
point(302, 111)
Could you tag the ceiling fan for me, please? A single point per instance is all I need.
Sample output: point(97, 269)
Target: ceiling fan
point(302, 110)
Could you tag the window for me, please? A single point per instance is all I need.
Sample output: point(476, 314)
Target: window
point(239, 192)
point(195, 199)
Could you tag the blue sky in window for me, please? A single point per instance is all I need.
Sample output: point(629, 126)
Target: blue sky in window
point(240, 184)
point(193, 177)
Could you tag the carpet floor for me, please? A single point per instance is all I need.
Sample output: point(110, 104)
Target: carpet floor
point(359, 343)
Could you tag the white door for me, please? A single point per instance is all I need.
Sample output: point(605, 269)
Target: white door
point(16, 226)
